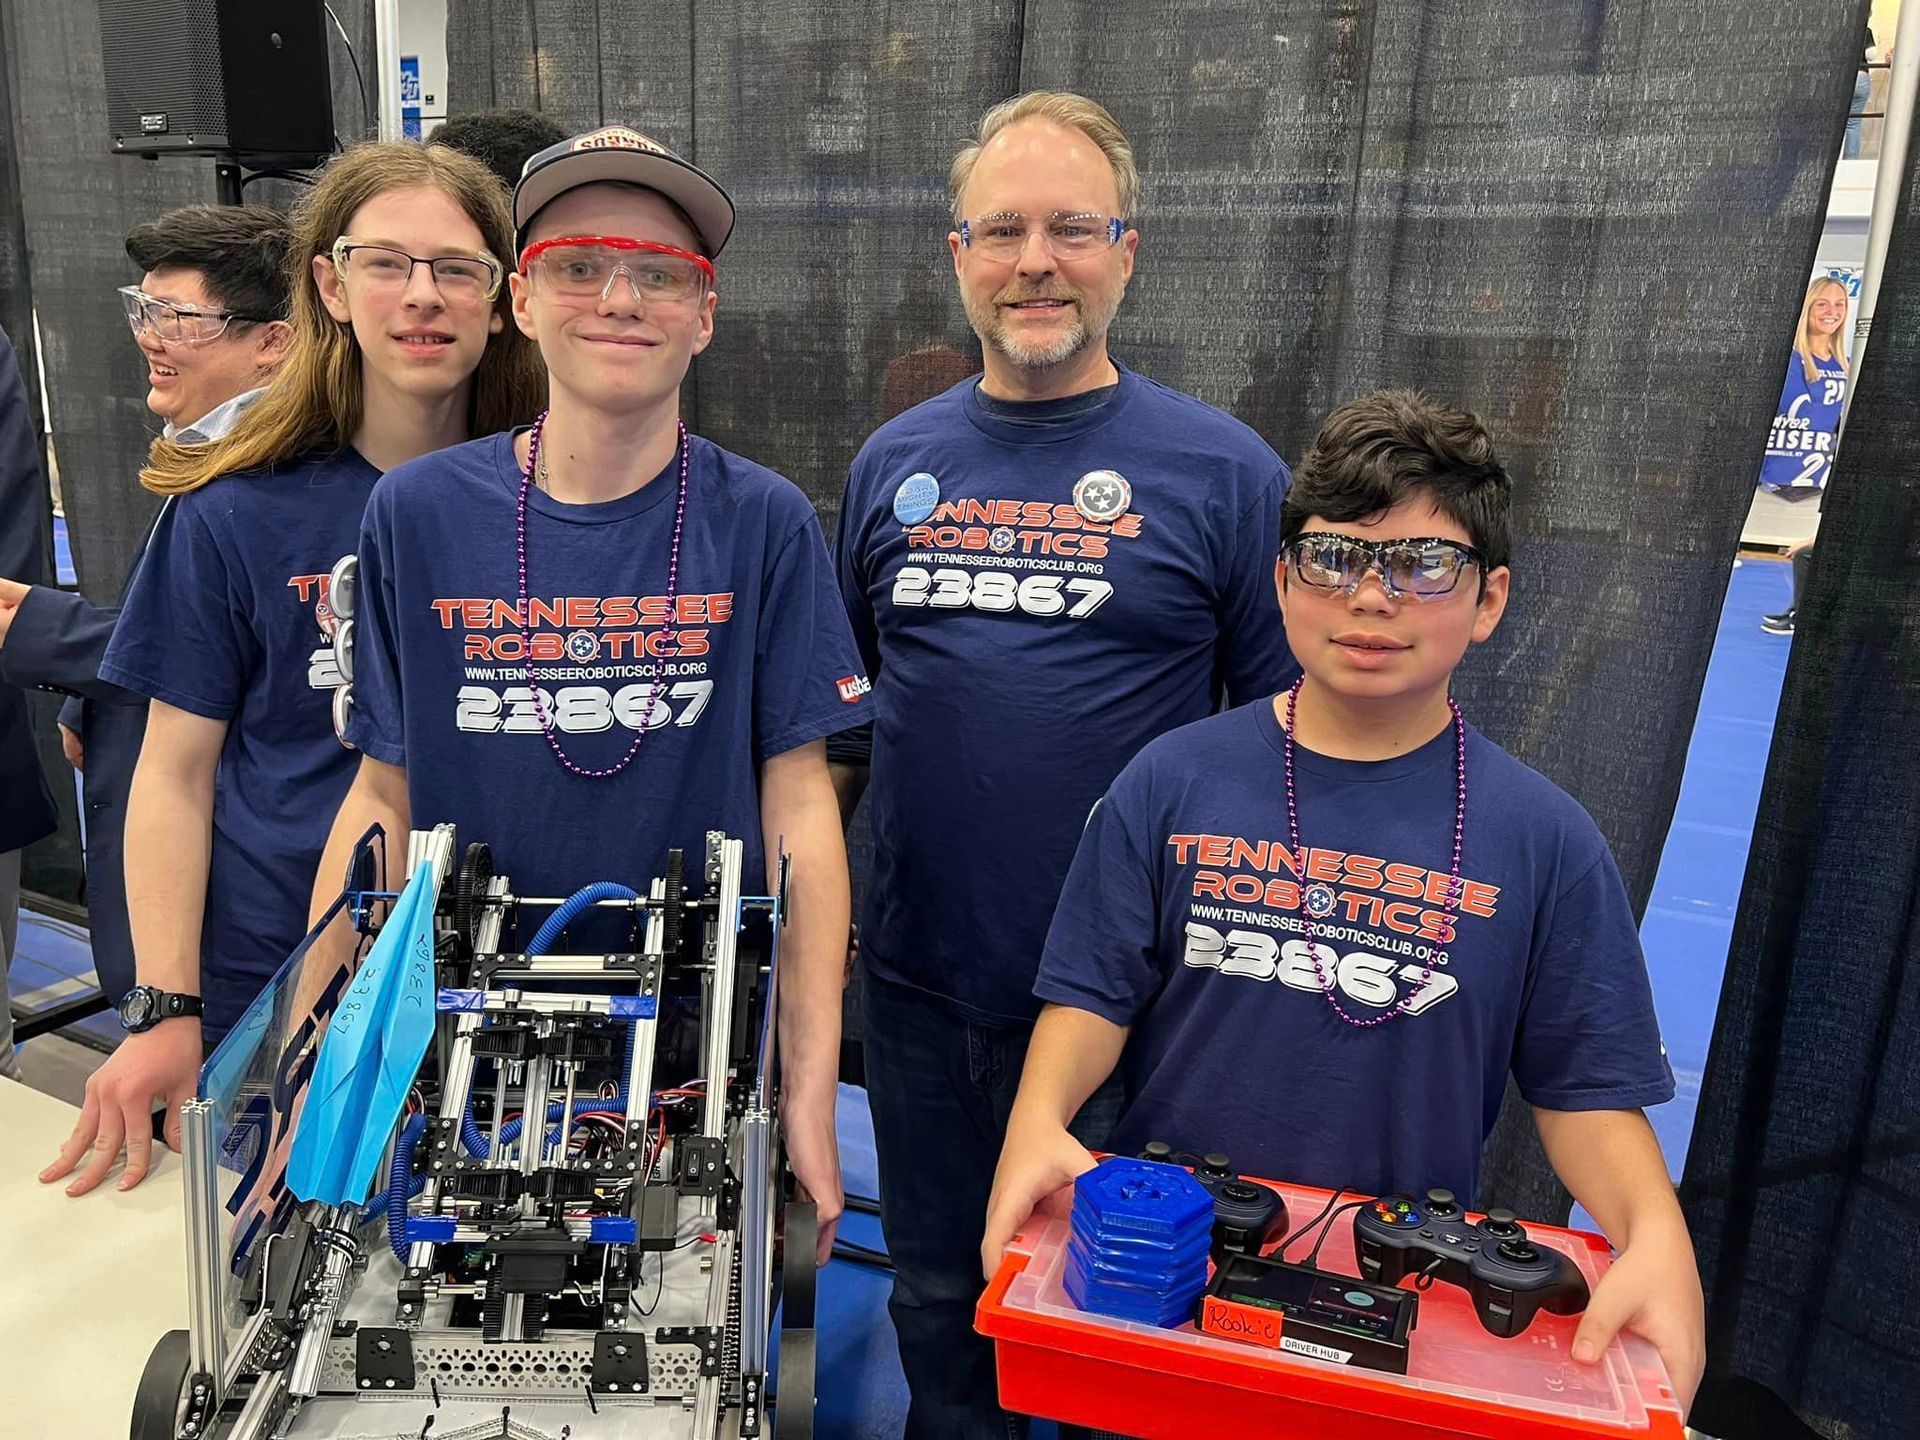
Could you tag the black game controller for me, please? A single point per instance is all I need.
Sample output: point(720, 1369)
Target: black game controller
point(1246, 1217)
point(1509, 1277)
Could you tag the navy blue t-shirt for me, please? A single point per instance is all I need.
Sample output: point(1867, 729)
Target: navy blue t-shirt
point(760, 662)
point(1180, 919)
point(1021, 653)
point(227, 618)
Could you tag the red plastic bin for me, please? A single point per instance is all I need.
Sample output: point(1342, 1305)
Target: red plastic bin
point(1060, 1363)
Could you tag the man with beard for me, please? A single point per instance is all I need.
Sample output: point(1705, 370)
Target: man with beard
point(1046, 567)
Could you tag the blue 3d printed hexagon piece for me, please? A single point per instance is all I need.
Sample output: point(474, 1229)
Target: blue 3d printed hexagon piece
point(1140, 1235)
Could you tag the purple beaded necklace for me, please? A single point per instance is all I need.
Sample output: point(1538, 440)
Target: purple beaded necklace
point(1453, 884)
point(536, 461)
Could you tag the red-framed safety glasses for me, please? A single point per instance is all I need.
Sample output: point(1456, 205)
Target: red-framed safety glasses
point(584, 266)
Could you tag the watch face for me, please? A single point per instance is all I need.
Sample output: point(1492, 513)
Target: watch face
point(137, 1008)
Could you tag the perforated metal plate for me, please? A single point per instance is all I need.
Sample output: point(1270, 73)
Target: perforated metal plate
point(556, 1369)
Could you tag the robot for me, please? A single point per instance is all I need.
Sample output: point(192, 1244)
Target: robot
point(566, 1248)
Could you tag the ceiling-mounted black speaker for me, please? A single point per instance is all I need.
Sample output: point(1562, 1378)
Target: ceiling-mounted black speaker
point(240, 78)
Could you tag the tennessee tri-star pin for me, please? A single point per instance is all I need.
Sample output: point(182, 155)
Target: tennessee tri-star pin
point(1102, 496)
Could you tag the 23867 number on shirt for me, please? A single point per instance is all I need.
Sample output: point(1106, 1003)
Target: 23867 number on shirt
point(999, 592)
point(581, 709)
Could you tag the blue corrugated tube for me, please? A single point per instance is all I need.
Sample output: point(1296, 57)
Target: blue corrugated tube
point(574, 906)
point(569, 910)
point(401, 1184)
point(477, 1144)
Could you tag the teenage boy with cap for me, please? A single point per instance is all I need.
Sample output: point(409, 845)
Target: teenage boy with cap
point(1047, 566)
point(597, 639)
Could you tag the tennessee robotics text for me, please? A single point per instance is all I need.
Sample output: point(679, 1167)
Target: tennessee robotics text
point(585, 627)
point(1049, 529)
point(1406, 899)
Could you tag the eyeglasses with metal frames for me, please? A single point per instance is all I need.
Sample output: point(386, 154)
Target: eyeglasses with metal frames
point(460, 278)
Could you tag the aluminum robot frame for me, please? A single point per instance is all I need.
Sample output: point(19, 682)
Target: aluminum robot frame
point(612, 1272)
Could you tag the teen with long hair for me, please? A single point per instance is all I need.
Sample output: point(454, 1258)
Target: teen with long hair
point(402, 346)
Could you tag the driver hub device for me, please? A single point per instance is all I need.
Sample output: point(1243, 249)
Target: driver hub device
point(1310, 1312)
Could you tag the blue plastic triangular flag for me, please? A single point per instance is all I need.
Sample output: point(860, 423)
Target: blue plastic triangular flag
point(369, 1056)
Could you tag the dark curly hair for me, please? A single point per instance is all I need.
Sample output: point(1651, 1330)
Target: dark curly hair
point(1376, 451)
point(501, 140)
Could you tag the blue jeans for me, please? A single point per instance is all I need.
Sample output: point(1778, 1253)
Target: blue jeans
point(940, 1088)
point(1850, 147)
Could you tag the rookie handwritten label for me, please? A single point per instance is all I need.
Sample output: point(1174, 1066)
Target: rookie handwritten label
point(1241, 1322)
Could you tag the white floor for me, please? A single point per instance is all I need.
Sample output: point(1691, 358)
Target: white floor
point(1773, 522)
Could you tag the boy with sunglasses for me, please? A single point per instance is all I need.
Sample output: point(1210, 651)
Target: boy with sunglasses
point(597, 639)
point(1318, 932)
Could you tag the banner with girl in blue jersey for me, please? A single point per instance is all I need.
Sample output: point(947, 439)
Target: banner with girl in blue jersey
point(1800, 445)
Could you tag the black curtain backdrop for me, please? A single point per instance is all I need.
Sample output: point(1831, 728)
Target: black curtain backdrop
point(16, 295)
point(78, 201)
point(53, 866)
point(1591, 223)
point(70, 202)
point(1806, 1151)
point(832, 126)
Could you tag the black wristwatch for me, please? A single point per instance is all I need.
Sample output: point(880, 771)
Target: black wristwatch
point(145, 1007)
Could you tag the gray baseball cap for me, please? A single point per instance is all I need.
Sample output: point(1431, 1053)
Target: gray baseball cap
point(624, 156)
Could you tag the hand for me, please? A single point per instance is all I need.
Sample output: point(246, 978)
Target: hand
point(1799, 547)
point(1652, 1290)
point(853, 953)
point(813, 1150)
point(12, 592)
point(1038, 1158)
point(73, 749)
point(161, 1063)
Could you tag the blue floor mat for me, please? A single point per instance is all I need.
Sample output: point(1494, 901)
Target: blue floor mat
point(54, 964)
point(63, 572)
point(861, 1391)
point(862, 1394)
point(1696, 891)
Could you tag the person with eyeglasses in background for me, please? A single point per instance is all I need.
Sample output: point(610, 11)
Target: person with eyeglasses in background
point(1046, 567)
point(210, 318)
point(401, 346)
point(599, 638)
point(1349, 876)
